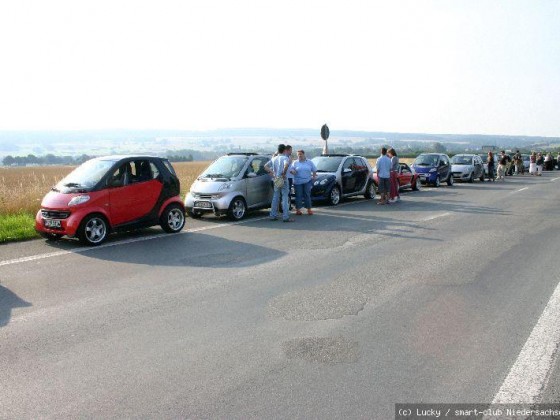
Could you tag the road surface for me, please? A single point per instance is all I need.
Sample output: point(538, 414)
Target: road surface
point(447, 297)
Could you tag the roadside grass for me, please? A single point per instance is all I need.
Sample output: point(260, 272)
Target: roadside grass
point(17, 227)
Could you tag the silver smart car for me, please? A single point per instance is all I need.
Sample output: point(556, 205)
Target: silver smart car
point(231, 185)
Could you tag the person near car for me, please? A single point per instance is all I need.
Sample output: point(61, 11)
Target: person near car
point(533, 163)
point(278, 167)
point(502, 166)
point(491, 169)
point(548, 162)
point(394, 177)
point(383, 166)
point(289, 175)
point(518, 162)
point(540, 163)
point(304, 173)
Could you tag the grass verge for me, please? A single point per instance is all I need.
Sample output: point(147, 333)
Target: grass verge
point(17, 227)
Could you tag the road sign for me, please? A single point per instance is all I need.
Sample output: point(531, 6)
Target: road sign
point(325, 132)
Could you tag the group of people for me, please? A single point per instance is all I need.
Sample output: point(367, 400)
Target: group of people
point(387, 166)
point(300, 174)
point(536, 163)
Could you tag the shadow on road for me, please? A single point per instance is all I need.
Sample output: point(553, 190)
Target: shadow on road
point(9, 300)
point(188, 250)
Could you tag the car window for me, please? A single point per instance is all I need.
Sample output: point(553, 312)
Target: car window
point(141, 171)
point(169, 167)
point(327, 163)
point(360, 164)
point(155, 170)
point(405, 169)
point(348, 164)
point(122, 174)
point(257, 166)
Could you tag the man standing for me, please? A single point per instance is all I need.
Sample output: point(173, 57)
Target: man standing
point(383, 166)
point(278, 167)
point(289, 175)
point(502, 166)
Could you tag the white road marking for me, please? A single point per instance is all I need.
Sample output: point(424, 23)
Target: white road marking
point(436, 216)
point(554, 179)
point(530, 372)
point(522, 189)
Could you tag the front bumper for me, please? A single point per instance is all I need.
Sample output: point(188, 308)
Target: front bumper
point(204, 203)
point(461, 176)
point(60, 222)
point(427, 178)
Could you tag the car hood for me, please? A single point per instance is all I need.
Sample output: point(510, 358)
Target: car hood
point(210, 186)
point(57, 200)
point(325, 175)
point(461, 168)
point(422, 169)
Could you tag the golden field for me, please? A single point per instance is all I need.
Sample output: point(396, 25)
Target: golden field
point(22, 189)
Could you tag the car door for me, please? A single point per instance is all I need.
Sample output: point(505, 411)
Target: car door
point(444, 168)
point(348, 176)
point(405, 176)
point(361, 174)
point(478, 168)
point(259, 190)
point(137, 196)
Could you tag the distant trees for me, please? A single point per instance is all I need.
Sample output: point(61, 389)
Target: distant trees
point(49, 159)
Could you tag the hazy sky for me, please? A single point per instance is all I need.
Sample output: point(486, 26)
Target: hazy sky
point(490, 67)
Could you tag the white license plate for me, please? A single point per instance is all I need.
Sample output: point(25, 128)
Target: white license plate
point(203, 204)
point(52, 223)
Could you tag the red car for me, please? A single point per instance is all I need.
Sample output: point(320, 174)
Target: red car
point(407, 179)
point(112, 193)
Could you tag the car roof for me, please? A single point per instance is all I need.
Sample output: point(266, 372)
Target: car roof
point(116, 158)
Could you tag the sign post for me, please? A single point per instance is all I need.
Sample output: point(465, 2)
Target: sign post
point(325, 135)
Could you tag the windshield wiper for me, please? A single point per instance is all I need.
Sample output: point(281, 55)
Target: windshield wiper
point(72, 184)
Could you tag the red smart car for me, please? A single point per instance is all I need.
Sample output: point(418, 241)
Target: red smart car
point(109, 194)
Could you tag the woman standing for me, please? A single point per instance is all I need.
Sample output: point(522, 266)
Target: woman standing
point(394, 181)
point(540, 163)
point(491, 167)
point(533, 163)
point(304, 172)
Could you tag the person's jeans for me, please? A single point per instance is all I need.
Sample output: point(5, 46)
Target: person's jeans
point(303, 194)
point(284, 195)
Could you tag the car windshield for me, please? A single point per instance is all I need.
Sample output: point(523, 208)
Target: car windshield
point(225, 167)
point(462, 160)
point(426, 160)
point(327, 163)
point(87, 175)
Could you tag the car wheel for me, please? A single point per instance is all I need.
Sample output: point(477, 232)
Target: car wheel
point(482, 177)
point(471, 179)
point(194, 214)
point(50, 236)
point(237, 209)
point(334, 196)
point(450, 180)
point(437, 183)
point(93, 230)
point(370, 191)
point(172, 219)
point(415, 185)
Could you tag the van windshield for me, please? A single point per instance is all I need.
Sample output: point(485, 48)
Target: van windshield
point(225, 167)
point(85, 176)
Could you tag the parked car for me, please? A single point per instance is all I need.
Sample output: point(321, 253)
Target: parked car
point(109, 194)
point(231, 185)
point(340, 176)
point(433, 168)
point(467, 167)
point(406, 178)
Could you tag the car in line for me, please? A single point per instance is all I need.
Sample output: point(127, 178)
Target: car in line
point(467, 167)
point(406, 178)
point(231, 186)
point(113, 193)
point(433, 169)
point(340, 176)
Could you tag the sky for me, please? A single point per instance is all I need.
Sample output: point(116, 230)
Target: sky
point(423, 66)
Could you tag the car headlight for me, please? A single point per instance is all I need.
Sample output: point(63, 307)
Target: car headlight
point(225, 186)
point(215, 196)
point(433, 170)
point(79, 199)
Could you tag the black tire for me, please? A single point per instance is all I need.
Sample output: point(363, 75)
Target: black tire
point(415, 185)
point(482, 177)
point(93, 230)
point(370, 191)
point(50, 236)
point(194, 214)
point(438, 182)
point(471, 179)
point(172, 219)
point(334, 196)
point(237, 209)
point(450, 180)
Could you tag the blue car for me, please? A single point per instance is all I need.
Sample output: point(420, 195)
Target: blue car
point(433, 169)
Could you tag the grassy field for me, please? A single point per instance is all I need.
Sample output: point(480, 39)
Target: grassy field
point(22, 189)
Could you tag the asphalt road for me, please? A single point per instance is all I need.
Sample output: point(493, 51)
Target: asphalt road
point(343, 314)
